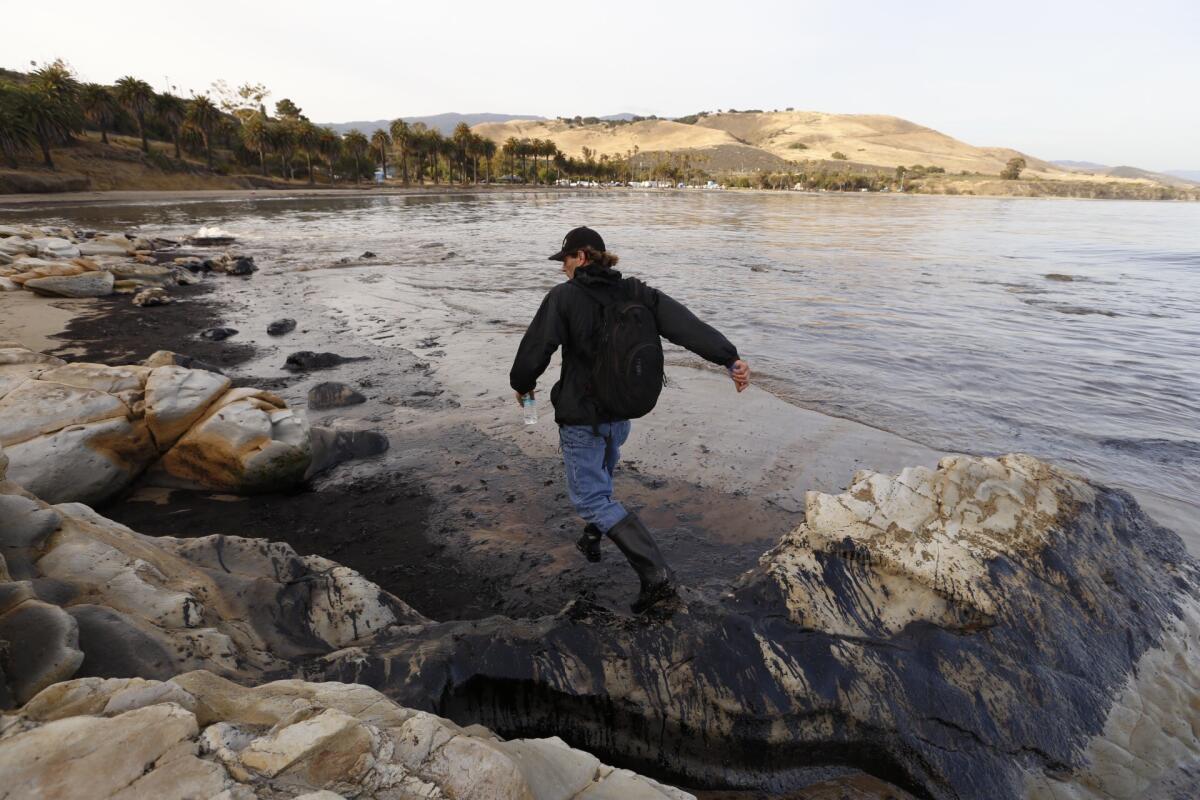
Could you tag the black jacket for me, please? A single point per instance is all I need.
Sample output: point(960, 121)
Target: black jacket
point(569, 318)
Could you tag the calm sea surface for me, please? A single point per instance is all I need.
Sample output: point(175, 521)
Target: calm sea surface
point(1070, 330)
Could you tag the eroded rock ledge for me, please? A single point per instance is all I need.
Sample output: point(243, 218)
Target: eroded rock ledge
point(198, 735)
point(993, 628)
point(86, 603)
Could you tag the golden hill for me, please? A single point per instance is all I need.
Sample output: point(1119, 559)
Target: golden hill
point(747, 141)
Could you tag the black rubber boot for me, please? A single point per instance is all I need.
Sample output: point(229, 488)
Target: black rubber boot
point(589, 543)
point(635, 541)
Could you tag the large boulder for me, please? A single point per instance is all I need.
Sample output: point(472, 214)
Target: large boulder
point(86, 284)
point(55, 247)
point(176, 398)
point(993, 628)
point(81, 595)
point(26, 269)
point(83, 432)
point(247, 441)
point(198, 735)
point(112, 245)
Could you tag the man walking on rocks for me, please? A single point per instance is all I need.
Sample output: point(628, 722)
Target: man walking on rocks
point(612, 372)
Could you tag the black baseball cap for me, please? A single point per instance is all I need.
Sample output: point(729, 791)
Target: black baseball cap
point(577, 239)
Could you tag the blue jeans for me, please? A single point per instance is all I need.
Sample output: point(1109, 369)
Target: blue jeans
point(590, 461)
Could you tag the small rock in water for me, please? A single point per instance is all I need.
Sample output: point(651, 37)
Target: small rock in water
point(331, 447)
point(307, 359)
point(211, 237)
point(232, 265)
point(152, 297)
point(218, 334)
point(281, 326)
point(186, 277)
point(333, 395)
point(367, 254)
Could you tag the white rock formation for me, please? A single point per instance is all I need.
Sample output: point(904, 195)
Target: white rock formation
point(927, 535)
point(82, 432)
point(198, 735)
point(240, 608)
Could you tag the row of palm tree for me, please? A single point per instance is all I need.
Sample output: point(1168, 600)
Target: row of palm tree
point(52, 107)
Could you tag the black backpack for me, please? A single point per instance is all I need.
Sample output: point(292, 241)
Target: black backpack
point(627, 370)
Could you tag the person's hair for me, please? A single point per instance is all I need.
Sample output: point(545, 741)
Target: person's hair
point(601, 258)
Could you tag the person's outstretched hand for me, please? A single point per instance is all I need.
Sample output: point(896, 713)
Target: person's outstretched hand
point(533, 394)
point(740, 373)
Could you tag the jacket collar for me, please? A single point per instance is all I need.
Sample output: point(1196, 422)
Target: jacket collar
point(596, 275)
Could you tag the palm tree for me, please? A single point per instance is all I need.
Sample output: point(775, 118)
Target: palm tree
point(381, 142)
point(462, 143)
point(283, 140)
point(203, 116)
point(549, 150)
point(16, 131)
point(253, 133)
point(402, 141)
point(448, 150)
point(488, 150)
point(511, 148)
point(50, 104)
point(356, 145)
point(331, 148)
point(171, 111)
point(99, 107)
point(136, 96)
point(418, 142)
point(308, 136)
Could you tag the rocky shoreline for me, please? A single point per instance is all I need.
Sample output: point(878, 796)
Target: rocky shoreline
point(988, 627)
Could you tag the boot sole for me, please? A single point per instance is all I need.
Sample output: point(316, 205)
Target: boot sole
point(660, 595)
point(589, 556)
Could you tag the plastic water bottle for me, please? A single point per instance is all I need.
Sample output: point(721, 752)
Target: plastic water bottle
point(529, 408)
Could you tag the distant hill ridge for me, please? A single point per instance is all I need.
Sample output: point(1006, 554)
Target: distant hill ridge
point(443, 123)
point(1184, 179)
point(778, 140)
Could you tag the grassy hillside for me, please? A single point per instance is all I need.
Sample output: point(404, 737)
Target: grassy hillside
point(121, 165)
point(751, 141)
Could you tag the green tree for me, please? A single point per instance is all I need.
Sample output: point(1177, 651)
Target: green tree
point(512, 147)
point(281, 134)
point(462, 145)
point(418, 144)
point(286, 108)
point(99, 107)
point(136, 97)
point(171, 111)
point(51, 106)
point(16, 129)
point(331, 150)
point(254, 136)
point(487, 149)
point(204, 118)
point(1012, 170)
point(381, 143)
point(402, 142)
point(308, 137)
point(356, 145)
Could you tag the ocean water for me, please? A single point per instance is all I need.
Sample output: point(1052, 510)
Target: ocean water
point(1065, 329)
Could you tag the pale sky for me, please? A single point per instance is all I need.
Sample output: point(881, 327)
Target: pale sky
point(1110, 82)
